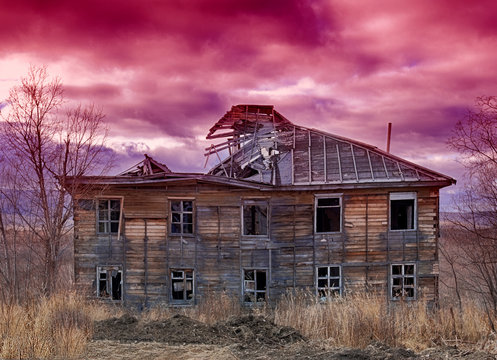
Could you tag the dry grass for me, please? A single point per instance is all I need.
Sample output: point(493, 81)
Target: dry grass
point(358, 320)
point(212, 308)
point(61, 326)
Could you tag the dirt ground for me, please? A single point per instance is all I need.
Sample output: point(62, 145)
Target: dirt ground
point(244, 337)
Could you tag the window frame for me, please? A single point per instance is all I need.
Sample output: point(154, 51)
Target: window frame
point(411, 195)
point(318, 197)
point(106, 269)
point(402, 276)
point(328, 278)
point(255, 202)
point(182, 212)
point(184, 270)
point(108, 221)
point(255, 291)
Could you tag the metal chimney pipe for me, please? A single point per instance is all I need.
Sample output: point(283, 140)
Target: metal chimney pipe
point(389, 136)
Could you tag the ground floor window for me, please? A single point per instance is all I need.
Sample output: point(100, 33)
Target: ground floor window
point(403, 281)
point(182, 289)
point(254, 285)
point(328, 281)
point(110, 282)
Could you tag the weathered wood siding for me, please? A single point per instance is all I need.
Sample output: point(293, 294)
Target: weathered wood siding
point(218, 252)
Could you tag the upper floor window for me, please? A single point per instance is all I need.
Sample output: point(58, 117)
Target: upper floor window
point(403, 281)
point(329, 281)
point(328, 214)
point(108, 215)
point(403, 211)
point(110, 282)
point(181, 217)
point(255, 218)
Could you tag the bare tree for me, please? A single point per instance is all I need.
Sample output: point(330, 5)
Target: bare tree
point(474, 229)
point(42, 146)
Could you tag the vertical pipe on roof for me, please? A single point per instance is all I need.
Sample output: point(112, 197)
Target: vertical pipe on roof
point(389, 135)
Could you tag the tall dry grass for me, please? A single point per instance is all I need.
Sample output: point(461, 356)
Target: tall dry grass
point(213, 307)
point(55, 327)
point(61, 326)
point(358, 320)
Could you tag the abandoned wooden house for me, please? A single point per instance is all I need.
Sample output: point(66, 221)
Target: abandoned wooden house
point(288, 207)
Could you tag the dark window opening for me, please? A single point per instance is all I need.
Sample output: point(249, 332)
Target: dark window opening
point(328, 215)
point(329, 282)
point(182, 285)
point(254, 286)
point(109, 285)
point(402, 214)
point(108, 216)
point(403, 281)
point(255, 220)
point(182, 217)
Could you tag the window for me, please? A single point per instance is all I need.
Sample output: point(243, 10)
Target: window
point(403, 281)
point(402, 211)
point(108, 216)
point(254, 286)
point(182, 285)
point(328, 281)
point(182, 217)
point(109, 282)
point(328, 214)
point(255, 218)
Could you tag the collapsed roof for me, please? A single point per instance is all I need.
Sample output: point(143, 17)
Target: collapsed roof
point(265, 147)
point(265, 150)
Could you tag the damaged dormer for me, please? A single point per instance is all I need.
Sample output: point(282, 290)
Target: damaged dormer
point(262, 145)
point(147, 166)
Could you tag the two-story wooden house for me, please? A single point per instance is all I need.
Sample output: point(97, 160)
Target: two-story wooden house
point(286, 207)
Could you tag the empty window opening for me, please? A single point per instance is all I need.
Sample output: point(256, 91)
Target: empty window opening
point(403, 281)
point(108, 216)
point(255, 221)
point(109, 282)
point(182, 217)
point(402, 211)
point(329, 281)
point(328, 215)
point(182, 285)
point(254, 286)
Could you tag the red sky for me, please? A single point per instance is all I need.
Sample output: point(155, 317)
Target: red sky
point(165, 71)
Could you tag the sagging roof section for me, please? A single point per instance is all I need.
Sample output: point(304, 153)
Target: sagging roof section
point(265, 147)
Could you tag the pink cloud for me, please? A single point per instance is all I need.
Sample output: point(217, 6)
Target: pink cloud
point(170, 69)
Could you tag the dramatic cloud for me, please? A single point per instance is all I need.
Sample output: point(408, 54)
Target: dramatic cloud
point(164, 71)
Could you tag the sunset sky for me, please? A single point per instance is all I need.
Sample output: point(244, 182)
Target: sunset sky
point(165, 71)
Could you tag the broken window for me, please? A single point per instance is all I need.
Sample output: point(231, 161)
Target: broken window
point(182, 217)
point(182, 285)
point(328, 281)
point(328, 214)
point(402, 211)
point(403, 281)
point(109, 282)
point(254, 286)
point(255, 218)
point(108, 215)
